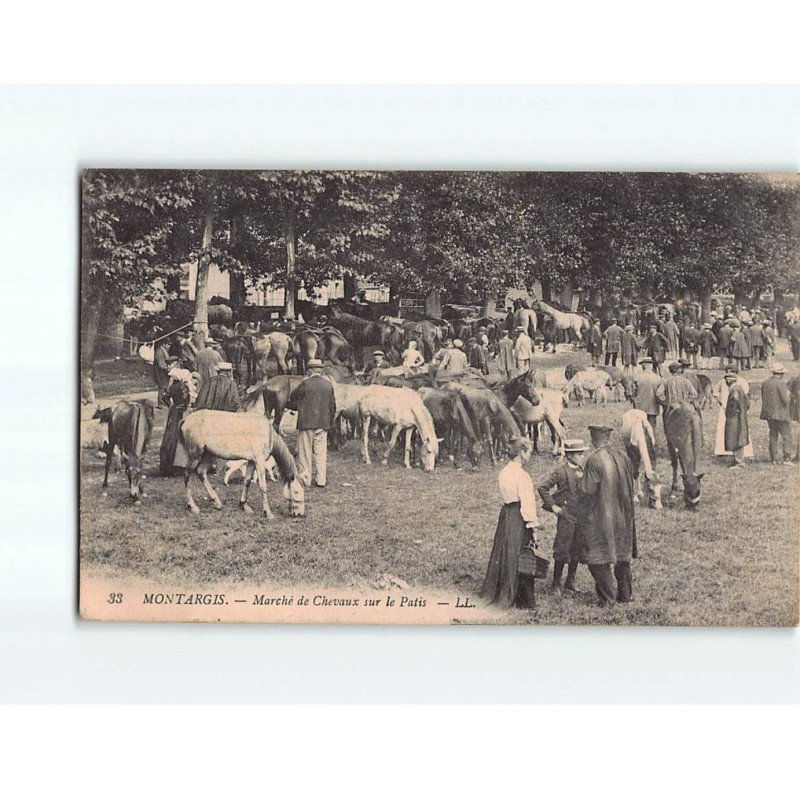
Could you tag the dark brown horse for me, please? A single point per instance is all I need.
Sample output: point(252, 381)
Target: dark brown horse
point(130, 425)
point(321, 343)
point(452, 424)
point(361, 332)
point(683, 427)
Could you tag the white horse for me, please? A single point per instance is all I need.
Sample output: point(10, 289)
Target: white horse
point(404, 410)
point(210, 434)
point(588, 382)
point(640, 443)
point(529, 417)
point(564, 320)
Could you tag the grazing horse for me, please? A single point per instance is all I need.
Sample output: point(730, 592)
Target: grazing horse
point(452, 423)
point(683, 428)
point(130, 424)
point(404, 410)
point(587, 382)
point(210, 434)
point(564, 320)
point(549, 411)
point(640, 444)
point(488, 414)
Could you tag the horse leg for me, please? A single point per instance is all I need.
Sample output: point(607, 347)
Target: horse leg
point(673, 454)
point(365, 424)
point(409, 433)
point(187, 474)
point(202, 471)
point(261, 472)
point(487, 436)
point(392, 441)
point(109, 458)
point(248, 476)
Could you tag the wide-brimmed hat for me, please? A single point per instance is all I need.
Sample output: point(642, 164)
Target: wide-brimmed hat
point(575, 446)
point(314, 362)
point(629, 327)
point(224, 365)
point(379, 353)
point(646, 360)
point(778, 368)
point(520, 327)
point(598, 429)
point(731, 374)
point(684, 362)
point(458, 343)
point(707, 325)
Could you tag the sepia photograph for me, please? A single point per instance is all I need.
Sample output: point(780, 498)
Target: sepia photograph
point(438, 397)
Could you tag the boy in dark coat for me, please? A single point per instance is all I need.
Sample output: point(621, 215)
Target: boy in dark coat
point(565, 503)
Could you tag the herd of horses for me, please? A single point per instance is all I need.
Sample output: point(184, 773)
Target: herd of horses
point(465, 416)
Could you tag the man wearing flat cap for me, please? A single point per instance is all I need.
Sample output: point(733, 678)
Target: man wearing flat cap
point(207, 361)
point(676, 389)
point(162, 361)
point(560, 496)
point(315, 403)
point(646, 392)
point(775, 400)
point(629, 350)
point(610, 532)
point(374, 365)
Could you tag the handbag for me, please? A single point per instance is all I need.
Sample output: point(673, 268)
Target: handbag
point(531, 563)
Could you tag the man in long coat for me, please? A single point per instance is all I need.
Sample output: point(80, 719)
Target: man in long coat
point(656, 347)
point(594, 341)
point(672, 334)
point(505, 357)
point(707, 345)
point(219, 393)
point(724, 337)
point(775, 400)
point(613, 340)
point(315, 403)
point(207, 361)
point(737, 432)
point(691, 341)
point(646, 397)
point(629, 349)
point(610, 531)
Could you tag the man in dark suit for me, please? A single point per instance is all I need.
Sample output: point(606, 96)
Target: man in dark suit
point(775, 410)
point(315, 404)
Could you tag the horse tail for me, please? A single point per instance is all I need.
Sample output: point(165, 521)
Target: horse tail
point(283, 458)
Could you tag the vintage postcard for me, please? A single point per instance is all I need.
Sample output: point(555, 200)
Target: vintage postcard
point(439, 397)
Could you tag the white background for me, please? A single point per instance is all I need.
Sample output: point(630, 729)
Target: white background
point(48, 134)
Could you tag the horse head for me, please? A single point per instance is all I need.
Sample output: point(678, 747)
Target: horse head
point(134, 469)
point(629, 386)
point(431, 444)
point(295, 493)
point(691, 491)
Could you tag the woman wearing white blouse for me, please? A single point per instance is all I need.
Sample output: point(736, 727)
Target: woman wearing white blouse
point(503, 585)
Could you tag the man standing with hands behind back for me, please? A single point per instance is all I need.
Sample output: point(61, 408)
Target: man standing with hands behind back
point(315, 404)
point(610, 527)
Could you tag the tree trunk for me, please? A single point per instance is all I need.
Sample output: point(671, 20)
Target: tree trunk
point(489, 303)
point(350, 285)
point(547, 288)
point(203, 264)
point(433, 304)
point(705, 300)
point(238, 290)
point(291, 280)
point(173, 285)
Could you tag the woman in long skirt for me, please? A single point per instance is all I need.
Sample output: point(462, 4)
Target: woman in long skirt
point(172, 455)
point(503, 585)
point(721, 396)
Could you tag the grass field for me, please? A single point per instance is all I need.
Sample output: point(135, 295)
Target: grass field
point(733, 562)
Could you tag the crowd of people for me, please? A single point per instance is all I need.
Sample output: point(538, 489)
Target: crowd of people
point(591, 490)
